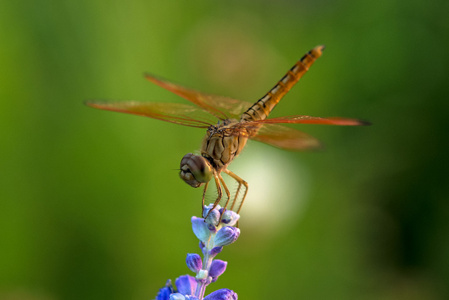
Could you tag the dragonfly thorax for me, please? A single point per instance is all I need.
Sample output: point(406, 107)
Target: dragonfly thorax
point(195, 170)
point(223, 128)
point(223, 142)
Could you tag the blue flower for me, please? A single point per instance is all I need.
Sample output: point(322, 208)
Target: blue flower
point(217, 268)
point(222, 294)
point(164, 293)
point(214, 231)
point(179, 296)
point(186, 284)
point(230, 218)
point(194, 262)
point(226, 236)
point(212, 217)
point(201, 229)
point(214, 251)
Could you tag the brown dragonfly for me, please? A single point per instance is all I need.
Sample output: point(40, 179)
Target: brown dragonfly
point(225, 140)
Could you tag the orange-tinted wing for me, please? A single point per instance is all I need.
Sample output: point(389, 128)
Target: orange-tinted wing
point(314, 120)
point(219, 106)
point(183, 114)
point(285, 138)
point(291, 139)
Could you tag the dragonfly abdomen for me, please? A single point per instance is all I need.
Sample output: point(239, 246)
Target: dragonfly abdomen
point(262, 108)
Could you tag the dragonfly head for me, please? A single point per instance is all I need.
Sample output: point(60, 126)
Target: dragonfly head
point(195, 170)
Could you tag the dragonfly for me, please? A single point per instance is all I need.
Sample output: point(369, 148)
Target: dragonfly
point(238, 121)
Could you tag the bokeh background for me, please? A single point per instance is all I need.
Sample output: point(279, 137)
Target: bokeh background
point(91, 206)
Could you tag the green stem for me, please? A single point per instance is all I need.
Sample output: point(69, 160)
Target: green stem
point(207, 262)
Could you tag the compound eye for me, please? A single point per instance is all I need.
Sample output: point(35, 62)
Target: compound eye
point(195, 170)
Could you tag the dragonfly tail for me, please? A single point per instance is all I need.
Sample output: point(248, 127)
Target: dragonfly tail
point(262, 108)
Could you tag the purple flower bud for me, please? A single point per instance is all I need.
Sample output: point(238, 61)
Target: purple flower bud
point(217, 268)
point(207, 208)
point(226, 236)
point(230, 218)
point(215, 251)
point(194, 262)
point(212, 228)
point(213, 217)
point(222, 294)
point(186, 284)
point(200, 229)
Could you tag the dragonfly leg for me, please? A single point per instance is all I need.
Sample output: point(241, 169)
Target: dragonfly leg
point(241, 182)
point(204, 196)
point(228, 194)
point(219, 191)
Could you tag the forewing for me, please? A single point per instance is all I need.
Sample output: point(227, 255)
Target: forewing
point(219, 106)
point(286, 138)
point(183, 114)
point(299, 119)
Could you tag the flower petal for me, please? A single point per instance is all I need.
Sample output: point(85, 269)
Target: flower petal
point(217, 268)
point(207, 208)
point(215, 251)
point(226, 235)
point(200, 229)
point(177, 296)
point(186, 284)
point(222, 294)
point(165, 292)
point(213, 217)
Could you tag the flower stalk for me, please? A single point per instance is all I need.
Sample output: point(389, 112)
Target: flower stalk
point(215, 230)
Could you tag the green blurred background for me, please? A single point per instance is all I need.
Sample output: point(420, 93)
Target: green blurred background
point(91, 206)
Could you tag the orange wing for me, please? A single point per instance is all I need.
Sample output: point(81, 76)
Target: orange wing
point(286, 138)
point(219, 106)
point(299, 119)
point(271, 133)
point(177, 113)
point(209, 107)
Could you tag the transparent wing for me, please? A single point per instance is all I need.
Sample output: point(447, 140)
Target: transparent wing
point(270, 132)
point(221, 107)
point(299, 119)
point(177, 113)
point(285, 138)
